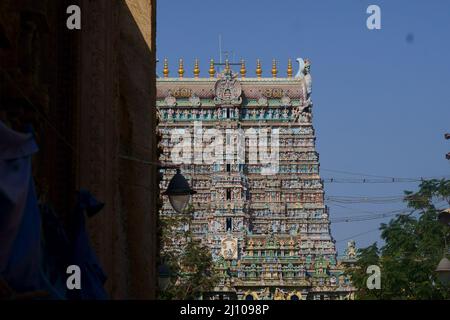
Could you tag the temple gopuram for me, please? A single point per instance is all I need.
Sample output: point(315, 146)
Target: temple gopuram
point(260, 208)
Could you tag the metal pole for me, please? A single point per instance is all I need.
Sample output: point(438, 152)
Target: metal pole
point(220, 48)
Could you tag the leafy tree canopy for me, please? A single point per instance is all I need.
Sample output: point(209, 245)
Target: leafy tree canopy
point(414, 245)
point(189, 261)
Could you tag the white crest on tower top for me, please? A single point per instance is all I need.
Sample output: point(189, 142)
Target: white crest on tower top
point(301, 68)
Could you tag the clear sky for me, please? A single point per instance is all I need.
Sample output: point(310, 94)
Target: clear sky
point(381, 97)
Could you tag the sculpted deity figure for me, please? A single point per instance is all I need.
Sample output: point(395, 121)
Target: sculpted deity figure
point(261, 113)
point(351, 249)
point(274, 227)
point(227, 94)
point(308, 117)
point(170, 100)
point(170, 113)
point(228, 89)
point(159, 115)
point(296, 113)
point(217, 113)
point(286, 101)
point(307, 75)
point(195, 101)
point(265, 294)
point(301, 68)
point(211, 225)
point(277, 114)
point(278, 295)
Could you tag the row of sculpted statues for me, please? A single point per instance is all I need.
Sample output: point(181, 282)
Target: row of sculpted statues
point(304, 184)
point(167, 142)
point(204, 114)
point(299, 142)
point(304, 130)
point(295, 155)
point(292, 168)
point(277, 294)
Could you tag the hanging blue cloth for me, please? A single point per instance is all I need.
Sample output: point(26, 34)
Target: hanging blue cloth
point(55, 253)
point(20, 224)
point(26, 262)
point(93, 277)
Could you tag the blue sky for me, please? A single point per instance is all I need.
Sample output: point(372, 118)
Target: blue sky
point(381, 97)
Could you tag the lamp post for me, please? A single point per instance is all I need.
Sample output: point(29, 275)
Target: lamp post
point(447, 137)
point(179, 192)
point(163, 277)
point(444, 217)
point(443, 271)
point(443, 268)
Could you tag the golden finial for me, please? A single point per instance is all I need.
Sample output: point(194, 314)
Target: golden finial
point(166, 68)
point(212, 70)
point(196, 69)
point(289, 68)
point(274, 68)
point(227, 66)
point(243, 70)
point(258, 68)
point(181, 69)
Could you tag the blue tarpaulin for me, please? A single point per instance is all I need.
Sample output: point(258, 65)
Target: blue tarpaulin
point(82, 255)
point(20, 221)
point(31, 261)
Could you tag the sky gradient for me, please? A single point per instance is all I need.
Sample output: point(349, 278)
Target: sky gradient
point(381, 97)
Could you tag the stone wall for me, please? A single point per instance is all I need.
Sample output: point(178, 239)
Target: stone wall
point(90, 94)
point(118, 87)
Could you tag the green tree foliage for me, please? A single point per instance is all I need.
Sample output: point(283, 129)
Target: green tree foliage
point(366, 257)
point(414, 245)
point(189, 261)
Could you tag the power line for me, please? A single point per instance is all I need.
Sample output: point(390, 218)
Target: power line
point(356, 173)
point(357, 235)
point(376, 199)
point(381, 180)
point(372, 178)
point(357, 210)
point(368, 217)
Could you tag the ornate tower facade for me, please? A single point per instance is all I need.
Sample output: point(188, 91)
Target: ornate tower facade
point(248, 147)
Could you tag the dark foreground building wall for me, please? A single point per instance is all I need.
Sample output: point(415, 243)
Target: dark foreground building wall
point(90, 94)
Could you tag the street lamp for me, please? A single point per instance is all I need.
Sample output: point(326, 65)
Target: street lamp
point(443, 268)
point(163, 277)
point(444, 217)
point(179, 192)
point(447, 137)
point(443, 271)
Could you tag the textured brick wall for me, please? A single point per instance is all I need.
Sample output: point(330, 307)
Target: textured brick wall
point(116, 119)
point(97, 88)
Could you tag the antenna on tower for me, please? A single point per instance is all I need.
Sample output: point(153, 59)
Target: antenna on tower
point(227, 55)
point(220, 48)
